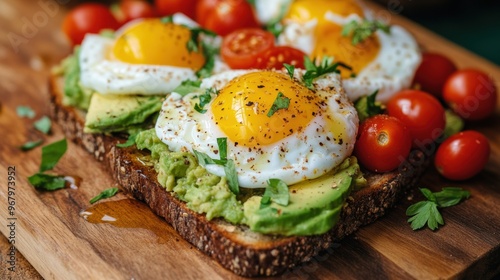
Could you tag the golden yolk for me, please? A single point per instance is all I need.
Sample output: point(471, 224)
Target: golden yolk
point(333, 44)
point(305, 10)
point(241, 108)
point(154, 42)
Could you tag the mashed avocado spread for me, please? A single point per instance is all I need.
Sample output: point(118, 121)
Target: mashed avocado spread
point(314, 207)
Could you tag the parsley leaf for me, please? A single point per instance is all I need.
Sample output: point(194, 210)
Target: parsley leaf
point(361, 31)
point(427, 212)
point(43, 124)
point(187, 86)
point(276, 191)
point(205, 99)
point(209, 52)
point(130, 141)
point(167, 19)
point(368, 107)
point(228, 164)
point(281, 102)
point(290, 69)
point(325, 66)
point(194, 41)
point(25, 111)
point(51, 154)
point(107, 193)
point(30, 145)
point(47, 182)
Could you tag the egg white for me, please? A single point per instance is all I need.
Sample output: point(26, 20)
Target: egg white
point(392, 69)
point(305, 155)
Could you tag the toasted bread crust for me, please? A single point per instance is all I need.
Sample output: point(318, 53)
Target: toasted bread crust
point(234, 247)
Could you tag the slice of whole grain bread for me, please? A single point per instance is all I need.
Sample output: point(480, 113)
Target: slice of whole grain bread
point(236, 248)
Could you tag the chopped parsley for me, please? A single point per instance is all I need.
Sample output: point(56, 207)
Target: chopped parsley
point(167, 19)
point(276, 191)
point(228, 164)
point(43, 124)
point(290, 69)
point(25, 111)
point(187, 86)
point(107, 193)
point(325, 66)
point(426, 212)
point(194, 41)
point(205, 99)
point(368, 107)
point(281, 102)
point(209, 52)
point(362, 31)
point(30, 145)
point(51, 154)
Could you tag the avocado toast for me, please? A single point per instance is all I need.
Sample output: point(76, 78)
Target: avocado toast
point(235, 247)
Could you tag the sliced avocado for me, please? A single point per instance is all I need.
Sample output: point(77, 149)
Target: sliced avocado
point(112, 113)
point(314, 205)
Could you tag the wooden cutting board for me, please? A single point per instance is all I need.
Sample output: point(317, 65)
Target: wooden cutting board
point(60, 244)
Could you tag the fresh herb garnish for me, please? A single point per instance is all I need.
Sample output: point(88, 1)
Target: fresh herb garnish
point(130, 141)
point(30, 145)
point(194, 40)
point(290, 69)
point(167, 19)
point(276, 191)
point(361, 31)
point(47, 182)
point(367, 106)
point(51, 154)
point(25, 111)
point(228, 164)
point(205, 99)
point(187, 86)
point(325, 66)
point(426, 212)
point(107, 193)
point(281, 102)
point(43, 124)
point(209, 52)
point(251, 2)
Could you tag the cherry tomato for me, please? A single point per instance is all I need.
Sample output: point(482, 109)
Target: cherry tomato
point(134, 9)
point(241, 48)
point(421, 113)
point(88, 18)
point(274, 58)
point(462, 155)
point(471, 94)
point(383, 143)
point(225, 16)
point(170, 7)
point(433, 72)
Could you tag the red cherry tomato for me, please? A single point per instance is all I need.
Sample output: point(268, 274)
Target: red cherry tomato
point(433, 72)
point(225, 16)
point(134, 9)
point(421, 113)
point(383, 143)
point(170, 7)
point(471, 94)
point(88, 18)
point(274, 58)
point(462, 155)
point(241, 48)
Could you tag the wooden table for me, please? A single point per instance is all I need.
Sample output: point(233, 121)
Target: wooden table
point(60, 244)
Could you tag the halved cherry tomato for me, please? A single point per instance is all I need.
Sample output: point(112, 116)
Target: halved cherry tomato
point(421, 113)
point(134, 9)
point(471, 94)
point(225, 16)
point(432, 73)
point(170, 7)
point(383, 143)
point(462, 155)
point(241, 48)
point(88, 18)
point(274, 58)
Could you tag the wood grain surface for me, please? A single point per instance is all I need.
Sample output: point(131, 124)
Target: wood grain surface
point(59, 243)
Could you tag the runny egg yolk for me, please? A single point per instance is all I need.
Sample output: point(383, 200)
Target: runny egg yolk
point(329, 40)
point(156, 43)
point(241, 108)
